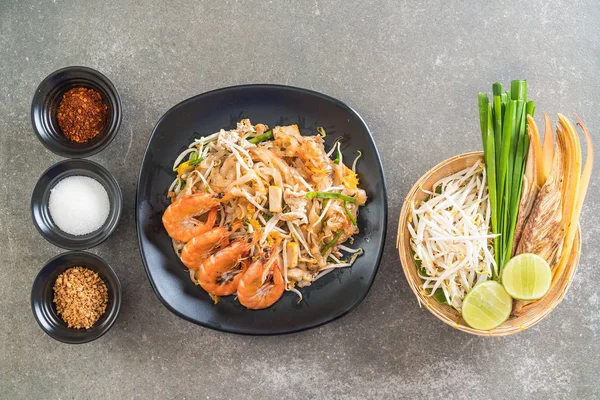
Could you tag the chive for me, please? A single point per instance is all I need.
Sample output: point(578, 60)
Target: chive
point(507, 134)
point(505, 142)
point(504, 101)
point(484, 102)
point(331, 244)
point(518, 124)
point(488, 142)
point(519, 169)
point(530, 108)
point(195, 159)
point(338, 157)
point(349, 214)
point(329, 195)
point(497, 112)
point(517, 90)
point(490, 162)
point(268, 135)
point(512, 180)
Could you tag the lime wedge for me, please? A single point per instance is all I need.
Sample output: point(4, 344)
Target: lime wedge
point(486, 306)
point(526, 277)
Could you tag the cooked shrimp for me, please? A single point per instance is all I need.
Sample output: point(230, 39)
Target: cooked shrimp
point(220, 273)
point(262, 284)
point(180, 218)
point(201, 247)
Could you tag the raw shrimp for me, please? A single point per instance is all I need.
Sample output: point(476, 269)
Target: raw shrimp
point(180, 219)
point(262, 284)
point(201, 247)
point(220, 273)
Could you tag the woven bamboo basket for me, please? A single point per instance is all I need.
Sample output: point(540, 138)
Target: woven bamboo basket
point(529, 316)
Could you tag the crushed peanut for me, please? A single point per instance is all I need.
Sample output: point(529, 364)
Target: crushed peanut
point(80, 296)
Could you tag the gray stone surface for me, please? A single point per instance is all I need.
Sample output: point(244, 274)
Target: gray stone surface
point(412, 70)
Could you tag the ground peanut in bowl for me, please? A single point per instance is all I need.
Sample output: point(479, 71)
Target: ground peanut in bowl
point(80, 296)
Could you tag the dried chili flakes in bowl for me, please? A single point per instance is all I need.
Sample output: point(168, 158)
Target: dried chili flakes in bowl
point(80, 296)
point(81, 114)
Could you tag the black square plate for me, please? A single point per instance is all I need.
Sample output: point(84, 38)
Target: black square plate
point(327, 299)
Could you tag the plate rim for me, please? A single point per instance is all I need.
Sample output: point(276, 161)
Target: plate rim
point(385, 209)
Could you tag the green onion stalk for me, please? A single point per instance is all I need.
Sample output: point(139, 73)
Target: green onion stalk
point(503, 123)
point(329, 195)
point(331, 244)
point(268, 135)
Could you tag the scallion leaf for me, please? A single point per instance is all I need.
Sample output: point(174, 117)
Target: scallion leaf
point(505, 143)
point(338, 157)
point(329, 195)
point(349, 214)
point(331, 244)
point(195, 159)
point(268, 135)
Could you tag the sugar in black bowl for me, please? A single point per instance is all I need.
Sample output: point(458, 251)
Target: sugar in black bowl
point(43, 295)
point(76, 204)
point(95, 98)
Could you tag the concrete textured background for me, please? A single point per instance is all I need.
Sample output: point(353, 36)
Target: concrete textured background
point(412, 70)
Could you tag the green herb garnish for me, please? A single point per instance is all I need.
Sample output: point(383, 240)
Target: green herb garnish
point(329, 195)
point(349, 214)
point(268, 135)
point(195, 159)
point(338, 157)
point(331, 244)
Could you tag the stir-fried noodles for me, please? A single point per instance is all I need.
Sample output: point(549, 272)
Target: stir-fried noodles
point(257, 211)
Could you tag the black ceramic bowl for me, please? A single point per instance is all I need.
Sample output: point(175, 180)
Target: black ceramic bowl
point(48, 96)
point(42, 295)
point(41, 213)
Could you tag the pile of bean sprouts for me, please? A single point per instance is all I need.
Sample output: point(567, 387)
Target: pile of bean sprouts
point(450, 235)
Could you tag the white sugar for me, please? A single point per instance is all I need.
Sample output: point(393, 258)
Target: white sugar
point(79, 205)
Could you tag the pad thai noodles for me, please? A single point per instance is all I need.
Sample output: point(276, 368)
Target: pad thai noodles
point(257, 211)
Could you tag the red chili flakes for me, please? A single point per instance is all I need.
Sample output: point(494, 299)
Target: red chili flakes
point(81, 114)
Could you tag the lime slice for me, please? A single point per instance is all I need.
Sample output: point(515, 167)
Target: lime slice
point(526, 277)
point(486, 306)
